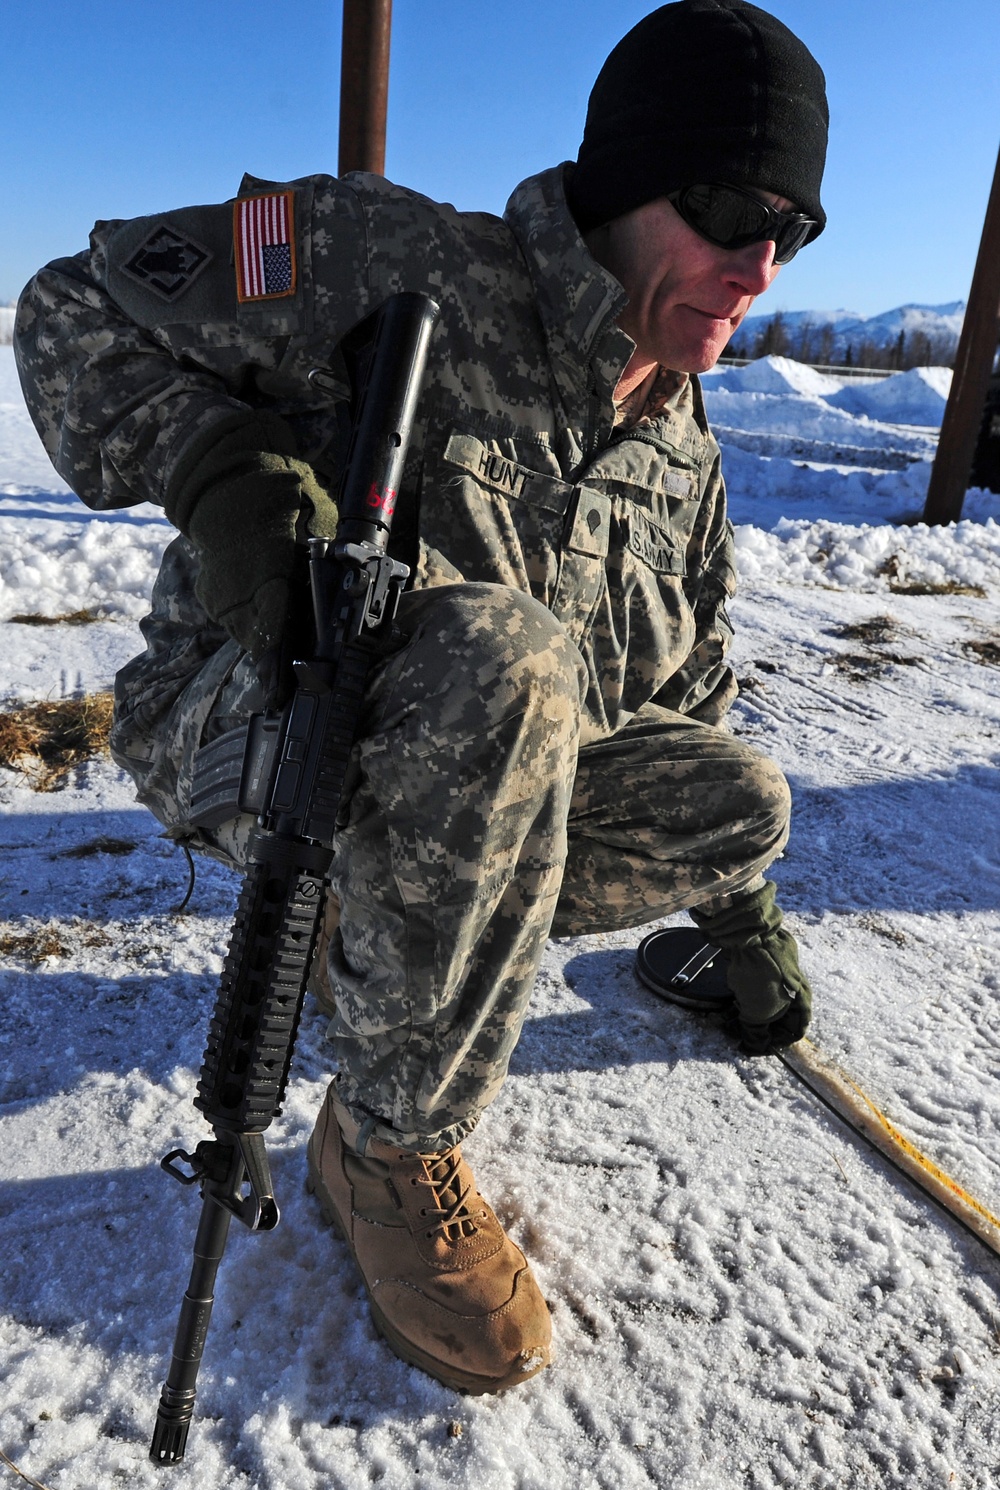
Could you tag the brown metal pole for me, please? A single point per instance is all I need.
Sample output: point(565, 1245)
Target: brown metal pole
point(973, 364)
point(364, 85)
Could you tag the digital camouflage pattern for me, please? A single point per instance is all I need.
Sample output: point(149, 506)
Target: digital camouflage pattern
point(479, 825)
point(516, 476)
point(474, 818)
point(544, 744)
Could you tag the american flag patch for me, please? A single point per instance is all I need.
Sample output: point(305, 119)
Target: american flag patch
point(264, 235)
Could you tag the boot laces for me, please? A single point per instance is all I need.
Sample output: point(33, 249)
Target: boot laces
point(450, 1214)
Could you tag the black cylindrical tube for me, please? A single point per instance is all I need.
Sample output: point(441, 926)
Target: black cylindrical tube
point(173, 1416)
point(388, 404)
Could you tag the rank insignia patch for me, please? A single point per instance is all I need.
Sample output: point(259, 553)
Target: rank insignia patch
point(167, 262)
point(263, 231)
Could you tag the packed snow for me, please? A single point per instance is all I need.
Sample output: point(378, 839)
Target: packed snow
point(742, 1296)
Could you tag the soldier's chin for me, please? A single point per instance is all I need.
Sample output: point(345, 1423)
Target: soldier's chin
point(706, 362)
point(699, 352)
point(692, 363)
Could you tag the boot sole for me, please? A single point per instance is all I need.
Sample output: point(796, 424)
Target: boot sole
point(449, 1376)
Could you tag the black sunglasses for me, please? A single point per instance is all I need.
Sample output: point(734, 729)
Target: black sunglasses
point(730, 217)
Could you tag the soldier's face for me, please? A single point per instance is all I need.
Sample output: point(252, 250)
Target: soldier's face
point(686, 296)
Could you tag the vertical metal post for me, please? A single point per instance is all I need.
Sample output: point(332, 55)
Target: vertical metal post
point(973, 364)
point(364, 85)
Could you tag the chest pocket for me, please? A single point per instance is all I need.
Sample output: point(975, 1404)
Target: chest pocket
point(662, 486)
point(643, 627)
point(554, 535)
point(513, 511)
point(649, 541)
point(654, 492)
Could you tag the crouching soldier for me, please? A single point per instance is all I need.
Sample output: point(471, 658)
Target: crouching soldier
point(544, 752)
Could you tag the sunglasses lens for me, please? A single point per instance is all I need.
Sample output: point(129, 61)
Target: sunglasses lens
point(789, 240)
point(729, 218)
point(733, 219)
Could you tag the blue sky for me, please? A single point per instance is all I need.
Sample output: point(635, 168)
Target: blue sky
point(112, 109)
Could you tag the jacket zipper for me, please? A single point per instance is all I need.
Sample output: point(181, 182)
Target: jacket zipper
point(663, 447)
point(593, 415)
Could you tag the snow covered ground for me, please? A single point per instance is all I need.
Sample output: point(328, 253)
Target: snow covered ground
point(741, 1296)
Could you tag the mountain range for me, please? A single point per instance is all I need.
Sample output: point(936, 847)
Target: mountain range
point(941, 324)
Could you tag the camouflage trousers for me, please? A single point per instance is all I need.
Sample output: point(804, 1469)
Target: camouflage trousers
point(481, 818)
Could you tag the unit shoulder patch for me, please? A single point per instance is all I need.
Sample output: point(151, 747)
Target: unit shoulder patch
point(167, 262)
point(264, 241)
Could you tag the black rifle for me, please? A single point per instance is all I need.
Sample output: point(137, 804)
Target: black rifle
point(289, 769)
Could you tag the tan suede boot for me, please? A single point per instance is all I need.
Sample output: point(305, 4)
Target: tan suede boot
point(448, 1289)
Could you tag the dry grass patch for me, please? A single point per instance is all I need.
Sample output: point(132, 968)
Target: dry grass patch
point(38, 943)
point(988, 651)
point(872, 921)
point(45, 741)
point(891, 568)
point(862, 667)
point(948, 587)
point(876, 631)
point(71, 618)
point(34, 946)
point(102, 845)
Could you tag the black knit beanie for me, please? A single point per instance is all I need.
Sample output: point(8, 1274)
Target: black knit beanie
point(702, 91)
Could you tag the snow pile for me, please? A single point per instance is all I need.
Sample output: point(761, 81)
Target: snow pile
point(778, 407)
point(810, 446)
point(773, 421)
point(806, 416)
point(772, 375)
point(55, 556)
point(25, 465)
point(915, 397)
point(870, 558)
point(6, 327)
point(53, 568)
point(762, 490)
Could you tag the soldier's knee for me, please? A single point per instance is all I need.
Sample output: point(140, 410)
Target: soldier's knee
point(497, 645)
point(496, 621)
point(767, 795)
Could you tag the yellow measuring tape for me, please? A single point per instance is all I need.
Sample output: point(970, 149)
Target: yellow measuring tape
point(837, 1090)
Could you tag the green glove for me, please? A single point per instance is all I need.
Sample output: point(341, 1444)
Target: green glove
point(244, 500)
point(773, 997)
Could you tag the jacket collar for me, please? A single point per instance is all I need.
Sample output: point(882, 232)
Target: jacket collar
point(577, 299)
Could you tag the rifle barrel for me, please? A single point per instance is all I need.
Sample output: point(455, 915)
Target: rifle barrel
point(173, 1416)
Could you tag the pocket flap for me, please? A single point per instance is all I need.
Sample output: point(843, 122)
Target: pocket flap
point(506, 476)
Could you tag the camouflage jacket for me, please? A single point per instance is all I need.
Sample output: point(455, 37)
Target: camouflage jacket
point(517, 475)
